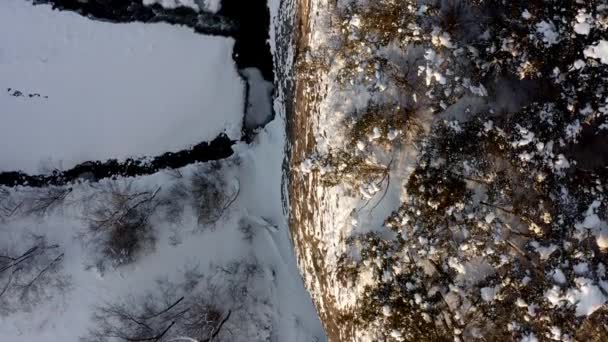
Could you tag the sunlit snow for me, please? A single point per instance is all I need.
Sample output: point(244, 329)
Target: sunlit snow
point(73, 89)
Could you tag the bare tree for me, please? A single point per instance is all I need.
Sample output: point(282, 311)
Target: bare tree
point(196, 309)
point(30, 276)
point(206, 190)
point(210, 197)
point(174, 201)
point(44, 200)
point(119, 222)
point(8, 205)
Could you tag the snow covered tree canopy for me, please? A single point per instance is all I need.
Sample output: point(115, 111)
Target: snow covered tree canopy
point(490, 222)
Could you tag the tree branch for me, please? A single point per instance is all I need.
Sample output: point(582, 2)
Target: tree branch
point(51, 264)
point(217, 330)
point(153, 338)
point(163, 311)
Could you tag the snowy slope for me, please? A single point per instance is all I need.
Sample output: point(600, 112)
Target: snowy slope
point(85, 90)
point(180, 244)
point(119, 90)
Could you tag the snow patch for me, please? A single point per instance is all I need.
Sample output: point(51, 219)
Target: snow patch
point(546, 30)
point(588, 297)
point(259, 109)
point(197, 5)
point(598, 51)
point(172, 4)
point(488, 294)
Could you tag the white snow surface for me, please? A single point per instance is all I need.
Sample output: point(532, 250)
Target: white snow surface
point(259, 106)
point(588, 297)
point(171, 4)
point(488, 294)
point(211, 5)
point(582, 28)
point(599, 51)
point(547, 32)
point(257, 168)
point(108, 90)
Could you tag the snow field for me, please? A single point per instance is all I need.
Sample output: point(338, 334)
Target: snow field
point(143, 89)
point(179, 245)
point(108, 90)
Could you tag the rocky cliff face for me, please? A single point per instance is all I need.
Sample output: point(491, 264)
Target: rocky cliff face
point(303, 92)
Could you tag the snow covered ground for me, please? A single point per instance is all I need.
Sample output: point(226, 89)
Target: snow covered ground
point(259, 108)
point(117, 90)
point(282, 303)
point(74, 90)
